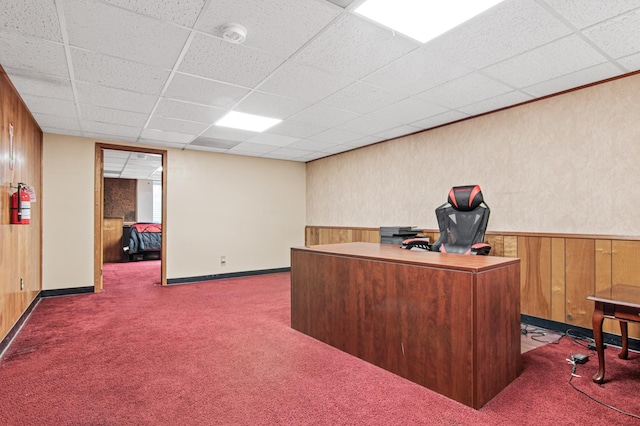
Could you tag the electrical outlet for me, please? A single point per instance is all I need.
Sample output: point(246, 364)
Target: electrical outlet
point(21, 284)
point(223, 260)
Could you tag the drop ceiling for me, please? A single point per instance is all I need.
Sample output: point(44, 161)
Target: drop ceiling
point(159, 73)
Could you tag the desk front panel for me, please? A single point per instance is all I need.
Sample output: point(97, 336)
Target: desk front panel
point(413, 321)
point(456, 332)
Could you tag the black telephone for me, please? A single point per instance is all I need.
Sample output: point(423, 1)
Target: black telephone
point(419, 243)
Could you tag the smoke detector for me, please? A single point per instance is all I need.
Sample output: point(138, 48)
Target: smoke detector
point(234, 33)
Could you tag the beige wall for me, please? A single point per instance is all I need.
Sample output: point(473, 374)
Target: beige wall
point(567, 164)
point(251, 210)
point(67, 212)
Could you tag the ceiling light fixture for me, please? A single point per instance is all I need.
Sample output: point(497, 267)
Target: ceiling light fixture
point(234, 33)
point(242, 121)
point(422, 20)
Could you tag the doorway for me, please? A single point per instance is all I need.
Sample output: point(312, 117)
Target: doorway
point(141, 166)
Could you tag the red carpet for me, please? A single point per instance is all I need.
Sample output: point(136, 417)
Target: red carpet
point(223, 352)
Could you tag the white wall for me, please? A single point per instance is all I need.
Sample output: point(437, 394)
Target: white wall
point(251, 210)
point(144, 200)
point(566, 164)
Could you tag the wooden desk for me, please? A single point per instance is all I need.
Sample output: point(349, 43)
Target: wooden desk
point(621, 303)
point(448, 322)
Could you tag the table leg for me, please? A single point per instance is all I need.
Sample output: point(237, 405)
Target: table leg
point(624, 353)
point(598, 318)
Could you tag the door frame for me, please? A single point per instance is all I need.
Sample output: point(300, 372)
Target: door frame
point(98, 210)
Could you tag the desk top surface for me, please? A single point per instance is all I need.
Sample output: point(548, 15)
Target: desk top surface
point(619, 294)
point(391, 252)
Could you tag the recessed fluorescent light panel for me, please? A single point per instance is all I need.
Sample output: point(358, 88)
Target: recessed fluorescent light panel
point(242, 121)
point(423, 20)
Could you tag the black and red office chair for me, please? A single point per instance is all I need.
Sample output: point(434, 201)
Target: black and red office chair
point(462, 221)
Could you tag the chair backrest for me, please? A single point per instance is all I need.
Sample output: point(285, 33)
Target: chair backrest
point(462, 220)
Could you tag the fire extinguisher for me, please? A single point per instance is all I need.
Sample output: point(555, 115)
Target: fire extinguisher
point(21, 206)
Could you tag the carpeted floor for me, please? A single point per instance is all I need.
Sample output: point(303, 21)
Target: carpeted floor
point(223, 352)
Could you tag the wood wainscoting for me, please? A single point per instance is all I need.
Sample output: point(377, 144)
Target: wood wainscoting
point(20, 245)
point(557, 271)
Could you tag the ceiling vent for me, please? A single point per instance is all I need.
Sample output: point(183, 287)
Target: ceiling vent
point(234, 33)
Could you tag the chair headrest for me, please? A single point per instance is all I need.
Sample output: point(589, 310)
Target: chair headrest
point(465, 198)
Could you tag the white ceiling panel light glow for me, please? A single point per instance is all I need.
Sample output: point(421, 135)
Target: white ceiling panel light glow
point(423, 20)
point(242, 121)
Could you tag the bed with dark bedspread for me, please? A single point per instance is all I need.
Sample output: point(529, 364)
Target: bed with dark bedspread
point(145, 240)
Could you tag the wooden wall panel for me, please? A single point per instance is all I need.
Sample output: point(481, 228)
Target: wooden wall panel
point(535, 276)
point(20, 245)
point(625, 269)
point(558, 284)
point(580, 280)
point(558, 271)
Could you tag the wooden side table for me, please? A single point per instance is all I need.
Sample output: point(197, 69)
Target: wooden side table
point(622, 303)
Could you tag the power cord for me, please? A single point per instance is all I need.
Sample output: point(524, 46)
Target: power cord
point(578, 359)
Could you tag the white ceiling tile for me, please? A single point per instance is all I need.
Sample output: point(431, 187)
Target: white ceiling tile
point(294, 130)
point(465, 90)
point(398, 131)
point(118, 73)
point(310, 145)
point(546, 62)
point(254, 148)
point(273, 140)
point(336, 136)
point(117, 32)
point(437, 120)
point(204, 91)
point(34, 18)
point(214, 143)
point(292, 80)
point(583, 14)
point(408, 110)
point(109, 97)
point(227, 133)
point(288, 153)
point(354, 47)
point(114, 116)
point(619, 36)
point(336, 149)
point(65, 131)
point(109, 137)
point(204, 148)
point(323, 116)
point(313, 156)
point(367, 140)
point(232, 63)
point(362, 98)
point(56, 121)
point(38, 104)
point(183, 12)
point(31, 83)
point(188, 111)
point(179, 126)
point(510, 28)
point(162, 136)
point(631, 63)
point(284, 157)
point(162, 144)
point(365, 125)
point(501, 101)
point(269, 105)
point(576, 79)
point(268, 28)
point(32, 54)
point(110, 129)
point(415, 72)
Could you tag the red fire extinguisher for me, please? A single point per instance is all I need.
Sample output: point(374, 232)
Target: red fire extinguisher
point(21, 206)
